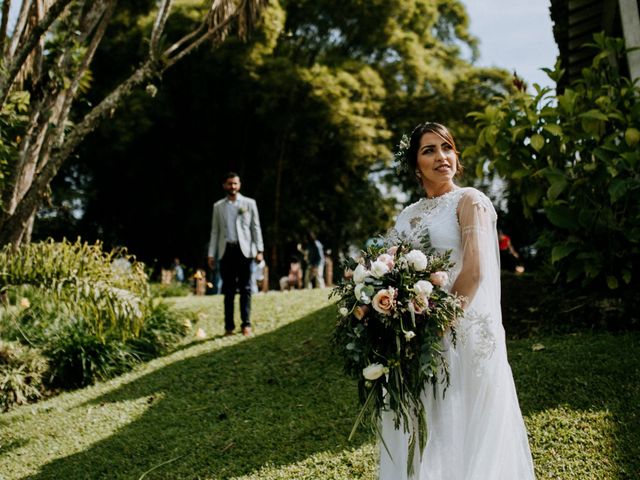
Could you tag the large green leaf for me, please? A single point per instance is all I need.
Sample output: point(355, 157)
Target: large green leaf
point(561, 216)
point(561, 251)
point(553, 129)
point(537, 142)
point(618, 189)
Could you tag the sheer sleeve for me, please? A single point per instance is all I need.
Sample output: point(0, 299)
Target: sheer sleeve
point(479, 243)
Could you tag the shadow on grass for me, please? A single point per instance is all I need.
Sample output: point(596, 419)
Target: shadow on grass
point(590, 373)
point(272, 399)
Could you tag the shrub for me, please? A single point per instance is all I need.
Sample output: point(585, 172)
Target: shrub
point(573, 160)
point(79, 358)
point(90, 312)
point(162, 331)
point(109, 288)
point(21, 374)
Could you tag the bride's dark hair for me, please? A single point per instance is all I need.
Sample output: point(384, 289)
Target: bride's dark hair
point(411, 155)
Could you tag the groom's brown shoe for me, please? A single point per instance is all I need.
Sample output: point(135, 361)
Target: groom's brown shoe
point(228, 333)
point(246, 331)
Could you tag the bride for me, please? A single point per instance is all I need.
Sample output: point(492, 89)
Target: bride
point(476, 431)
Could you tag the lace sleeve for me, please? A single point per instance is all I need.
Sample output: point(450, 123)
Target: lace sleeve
point(480, 260)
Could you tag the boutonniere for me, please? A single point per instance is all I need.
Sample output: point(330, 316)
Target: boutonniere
point(242, 210)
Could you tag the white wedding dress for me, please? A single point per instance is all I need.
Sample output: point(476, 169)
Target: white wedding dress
point(476, 432)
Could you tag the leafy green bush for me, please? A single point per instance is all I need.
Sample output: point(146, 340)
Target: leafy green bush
point(90, 312)
point(573, 159)
point(162, 330)
point(21, 374)
point(79, 358)
point(109, 288)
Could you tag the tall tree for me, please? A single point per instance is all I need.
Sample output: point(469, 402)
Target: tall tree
point(48, 55)
point(312, 108)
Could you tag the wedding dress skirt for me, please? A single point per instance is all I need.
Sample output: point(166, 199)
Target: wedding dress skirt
point(476, 431)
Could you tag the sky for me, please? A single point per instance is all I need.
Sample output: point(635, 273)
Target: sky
point(515, 35)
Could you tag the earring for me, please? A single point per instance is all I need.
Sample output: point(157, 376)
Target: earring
point(418, 174)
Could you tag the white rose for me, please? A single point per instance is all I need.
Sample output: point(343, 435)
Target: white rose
point(360, 273)
point(409, 335)
point(423, 288)
point(417, 260)
point(379, 269)
point(344, 311)
point(374, 371)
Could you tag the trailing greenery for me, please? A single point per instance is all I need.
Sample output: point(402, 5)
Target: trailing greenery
point(278, 406)
point(21, 374)
point(573, 159)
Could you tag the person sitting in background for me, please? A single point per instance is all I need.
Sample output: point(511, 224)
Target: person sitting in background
point(294, 278)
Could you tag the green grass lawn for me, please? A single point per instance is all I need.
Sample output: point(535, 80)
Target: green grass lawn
point(277, 406)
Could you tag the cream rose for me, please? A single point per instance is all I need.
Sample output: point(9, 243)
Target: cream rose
point(343, 311)
point(423, 288)
point(360, 273)
point(417, 260)
point(379, 269)
point(387, 260)
point(439, 278)
point(374, 371)
point(392, 250)
point(385, 301)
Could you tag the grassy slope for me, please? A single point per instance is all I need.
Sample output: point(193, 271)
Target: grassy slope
point(277, 406)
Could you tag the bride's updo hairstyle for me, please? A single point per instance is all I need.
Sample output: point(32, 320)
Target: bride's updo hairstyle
point(440, 130)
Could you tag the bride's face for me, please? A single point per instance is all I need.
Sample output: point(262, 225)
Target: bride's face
point(436, 159)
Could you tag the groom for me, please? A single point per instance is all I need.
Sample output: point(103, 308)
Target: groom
point(236, 239)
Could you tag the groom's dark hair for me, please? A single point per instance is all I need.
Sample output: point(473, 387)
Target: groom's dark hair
point(230, 175)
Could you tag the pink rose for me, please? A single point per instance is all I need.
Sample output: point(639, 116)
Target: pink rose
point(439, 278)
point(361, 311)
point(387, 260)
point(385, 301)
point(392, 250)
point(420, 304)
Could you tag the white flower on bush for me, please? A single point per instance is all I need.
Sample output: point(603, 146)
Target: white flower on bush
point(409, 335)
point(423, 288)
point(343, 311)
point(360, 273)
point(374, 371)
point(25, 303)
point(379, 269)
point(417, 260)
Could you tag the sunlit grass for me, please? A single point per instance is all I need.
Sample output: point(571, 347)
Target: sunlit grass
point(277, 406)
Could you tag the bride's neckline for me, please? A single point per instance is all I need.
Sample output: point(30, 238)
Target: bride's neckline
point(438, 198)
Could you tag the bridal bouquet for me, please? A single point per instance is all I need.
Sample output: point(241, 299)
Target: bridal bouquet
point(392, 314)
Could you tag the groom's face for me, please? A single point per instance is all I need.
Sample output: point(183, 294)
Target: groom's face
point(231, 186)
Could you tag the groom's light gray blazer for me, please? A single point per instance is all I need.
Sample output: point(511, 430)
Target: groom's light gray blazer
point(247, 228)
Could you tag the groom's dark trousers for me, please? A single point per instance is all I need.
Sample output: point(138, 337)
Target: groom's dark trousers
point(235, 270)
